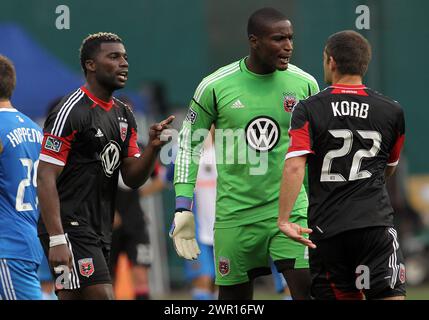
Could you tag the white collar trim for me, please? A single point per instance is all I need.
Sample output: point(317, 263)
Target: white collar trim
point(8, 109)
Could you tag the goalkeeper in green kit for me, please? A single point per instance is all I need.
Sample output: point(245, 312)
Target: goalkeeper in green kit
point(250, 103)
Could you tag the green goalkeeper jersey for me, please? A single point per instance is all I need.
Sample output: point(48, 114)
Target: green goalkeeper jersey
point(251, 114)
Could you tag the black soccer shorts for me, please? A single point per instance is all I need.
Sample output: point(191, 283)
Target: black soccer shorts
point(90, 262)
point(353, 264)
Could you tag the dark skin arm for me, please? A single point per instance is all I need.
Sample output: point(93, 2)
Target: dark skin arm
point(135, 171)
point(389, 171)
point(47, 192)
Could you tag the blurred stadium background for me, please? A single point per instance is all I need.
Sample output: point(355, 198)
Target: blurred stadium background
point(172, 44)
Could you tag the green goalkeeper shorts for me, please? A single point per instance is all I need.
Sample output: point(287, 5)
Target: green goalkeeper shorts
point(243, 253)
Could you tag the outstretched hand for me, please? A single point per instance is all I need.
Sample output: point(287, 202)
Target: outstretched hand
point(295, 232)
point(183, 234)
point(160, 133)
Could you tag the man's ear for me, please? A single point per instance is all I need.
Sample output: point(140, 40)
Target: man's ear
point(253, 40)
point(90, 65)
point(332, 63)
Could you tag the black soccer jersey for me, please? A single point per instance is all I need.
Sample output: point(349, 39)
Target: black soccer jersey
point(350, 134)
point(89, 137)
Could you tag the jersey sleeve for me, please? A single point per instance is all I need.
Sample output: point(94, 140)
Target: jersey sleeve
point(301, 141)
point(131, 148)
point(314, 87)
point(399, 141)
point(60, 129)
point(201, 114)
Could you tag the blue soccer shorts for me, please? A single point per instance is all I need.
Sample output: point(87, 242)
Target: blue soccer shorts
point(19, 280)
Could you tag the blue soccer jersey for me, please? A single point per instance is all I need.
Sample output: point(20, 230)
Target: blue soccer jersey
point(20, 144)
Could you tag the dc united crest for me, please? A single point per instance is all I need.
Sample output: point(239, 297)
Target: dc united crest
point(86, 267)
point(262, 133)
point(289, 101)
point(123, 126)
point(224, 266)
point(402, 277)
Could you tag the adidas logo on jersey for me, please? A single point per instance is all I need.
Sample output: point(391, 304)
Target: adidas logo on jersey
point(237, 105)
point(99, 134)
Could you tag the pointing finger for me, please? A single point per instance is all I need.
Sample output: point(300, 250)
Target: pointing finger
point(167, 121)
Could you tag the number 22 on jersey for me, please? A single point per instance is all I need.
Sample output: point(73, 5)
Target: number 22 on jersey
point(355, 173)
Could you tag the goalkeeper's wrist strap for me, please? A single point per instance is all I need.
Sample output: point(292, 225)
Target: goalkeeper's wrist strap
point(183, 204)
point(57, 240)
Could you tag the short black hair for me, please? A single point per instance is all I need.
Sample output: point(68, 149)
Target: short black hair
point(7, 78)
point(351, 52)
point(91, 44)
point(260, 18)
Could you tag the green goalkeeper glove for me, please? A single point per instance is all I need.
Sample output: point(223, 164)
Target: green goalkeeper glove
point(183, 234)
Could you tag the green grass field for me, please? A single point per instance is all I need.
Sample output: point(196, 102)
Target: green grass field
point(418, 293)
point(413, 293)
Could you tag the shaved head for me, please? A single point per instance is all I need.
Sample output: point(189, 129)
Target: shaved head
point(260, 19)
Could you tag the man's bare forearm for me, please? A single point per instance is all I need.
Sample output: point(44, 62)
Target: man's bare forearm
point(389, 171)
point(49, 201)
point(293, 176)
point(135, 171)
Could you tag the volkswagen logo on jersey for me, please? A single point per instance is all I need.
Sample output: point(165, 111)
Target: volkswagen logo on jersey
point(289, 101)
point(262, 133)
point(110, 157)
